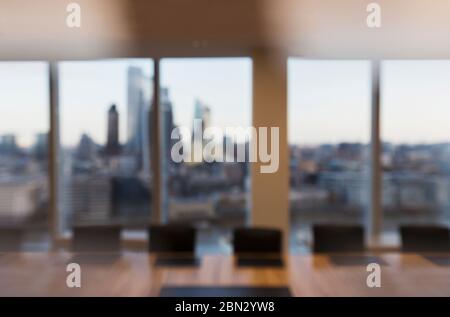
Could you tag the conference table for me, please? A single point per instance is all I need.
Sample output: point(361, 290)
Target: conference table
point(138, 274)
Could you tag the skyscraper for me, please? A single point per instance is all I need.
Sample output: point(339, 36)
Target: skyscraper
point(86, 150)
point(138, 110)
point(202, 112)
point(40, 148)
point(166, 120)
point(8, 144)
point(112, 144)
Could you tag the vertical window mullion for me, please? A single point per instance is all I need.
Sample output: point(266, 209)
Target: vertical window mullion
point(157, 214)
point(374, 223)
point(53, 152)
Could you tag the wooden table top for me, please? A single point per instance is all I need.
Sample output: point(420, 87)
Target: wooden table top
point(134, 274)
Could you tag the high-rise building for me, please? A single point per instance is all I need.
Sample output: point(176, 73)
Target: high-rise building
point(8, 144)
point(166, 119)
point(112, 144)
point(137, 120)
point(40, 148)
point(202, 112)
point(86, 150)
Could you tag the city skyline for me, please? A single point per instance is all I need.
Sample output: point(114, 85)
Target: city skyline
point(406, 85)
point(106, 176)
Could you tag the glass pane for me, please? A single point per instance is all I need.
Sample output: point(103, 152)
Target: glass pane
point(24, 127)
point(208, 191)
point(416, 147)
point(104, 142)
point(329, 135)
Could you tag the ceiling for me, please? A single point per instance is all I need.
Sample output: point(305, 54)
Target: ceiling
point(411, 29)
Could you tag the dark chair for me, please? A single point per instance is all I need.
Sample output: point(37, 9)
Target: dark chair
point(172, 239)
point(338, 238)
point(10, 239)
point(257, 241)
point(174, 245)
point(425, 238)
point(258, 247)
point(96, 238)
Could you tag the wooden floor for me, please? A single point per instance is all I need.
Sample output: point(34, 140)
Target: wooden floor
point(134, 274)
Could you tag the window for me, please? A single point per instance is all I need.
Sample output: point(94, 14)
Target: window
point(24, 127)
point(105, 144)
point(212, 192)
point(416, 148)
point(329, 137)
point(104, 172)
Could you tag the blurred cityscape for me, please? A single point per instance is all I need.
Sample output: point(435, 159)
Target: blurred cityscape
point(113, 183)
point(330, 183)
point(23, 182)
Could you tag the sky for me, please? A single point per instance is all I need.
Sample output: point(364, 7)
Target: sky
point(23, 100)
point(328, 101)
point(87, 91)
point(224, 84)
point(417, 101)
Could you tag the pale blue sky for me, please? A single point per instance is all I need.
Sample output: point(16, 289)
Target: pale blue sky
point(23, 100)
point(328, 100)
point(224, 84)
point(416, 99)
point(87, 90)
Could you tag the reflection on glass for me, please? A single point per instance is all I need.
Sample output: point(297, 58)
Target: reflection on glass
point(329, 126)
point(104, 142)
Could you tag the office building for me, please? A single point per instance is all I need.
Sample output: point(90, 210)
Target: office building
point(113, 145)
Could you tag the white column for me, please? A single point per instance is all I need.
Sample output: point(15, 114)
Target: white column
point(270, 192)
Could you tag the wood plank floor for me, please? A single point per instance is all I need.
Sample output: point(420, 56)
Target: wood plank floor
point(134, 274)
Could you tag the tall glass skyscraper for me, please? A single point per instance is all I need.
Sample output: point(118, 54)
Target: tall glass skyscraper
point(138, 110)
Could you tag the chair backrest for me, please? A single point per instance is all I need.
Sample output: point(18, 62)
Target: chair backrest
point(257, 240)
point(10, 239)
point(338, 238)
point(425, 238)
point(172, 238)
point(96, 238)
